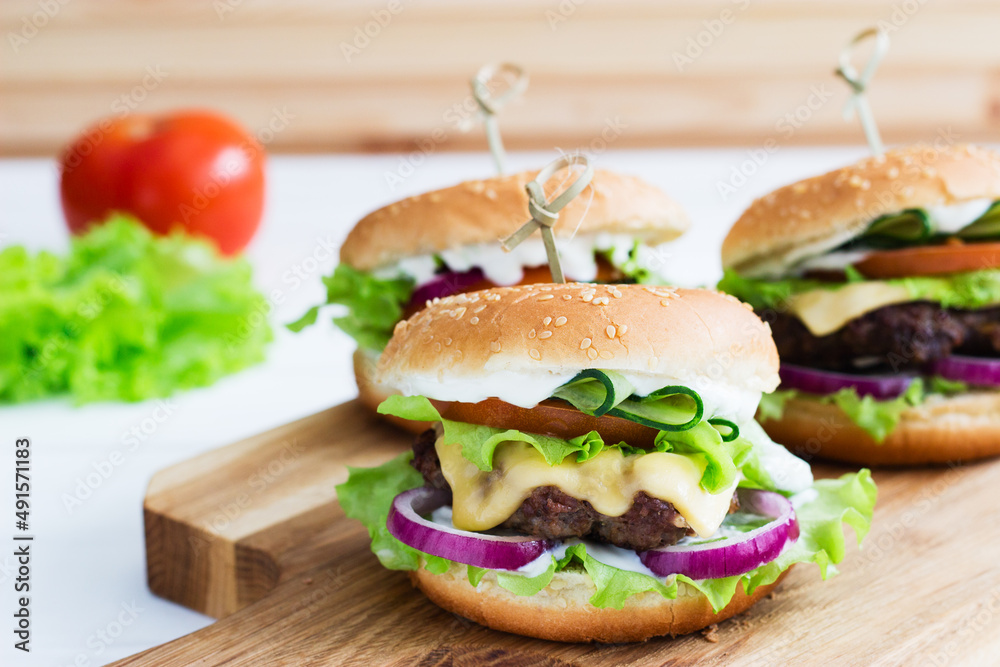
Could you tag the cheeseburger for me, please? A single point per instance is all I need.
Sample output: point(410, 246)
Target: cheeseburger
point(448, 241)
point(594, 472)
point(881, 282)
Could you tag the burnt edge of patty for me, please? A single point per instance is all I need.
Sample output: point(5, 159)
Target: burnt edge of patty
point(551, 514)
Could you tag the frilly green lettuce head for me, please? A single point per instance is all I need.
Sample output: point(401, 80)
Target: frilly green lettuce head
point(125, 315)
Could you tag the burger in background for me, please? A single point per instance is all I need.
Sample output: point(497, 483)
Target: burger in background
point(881, 282)
point(446, 242)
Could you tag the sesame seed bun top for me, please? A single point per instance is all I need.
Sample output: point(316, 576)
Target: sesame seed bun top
point(487, 210)
point(519, 343)
point(815, 215)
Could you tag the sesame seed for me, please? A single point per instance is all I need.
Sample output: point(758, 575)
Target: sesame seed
point(602, 301)
point(495, 346)
point(605, 354)
point(532, 334)
point(622, 329)
point(664, 302)
point(479, 309)
point(588, 297)
point(560, 321)
point(546, 297)
point(611, 331)
point(447, 342)
point(474, 320)
point(547, 321)
point(585, 343)
point(544, 335)
point(437, 347)
point(459, 312)
point(534, 354)
point(491, 194)
point(592, 353)
point(567, 297)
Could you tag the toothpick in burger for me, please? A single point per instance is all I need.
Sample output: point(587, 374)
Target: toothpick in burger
point(447, 242)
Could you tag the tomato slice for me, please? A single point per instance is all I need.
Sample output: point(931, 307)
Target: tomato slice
point(551, 417)
point(930, 260)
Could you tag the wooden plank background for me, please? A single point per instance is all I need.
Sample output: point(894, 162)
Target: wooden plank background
point(281, 68)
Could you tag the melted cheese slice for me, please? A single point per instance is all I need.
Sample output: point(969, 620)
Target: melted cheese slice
point(824, 311)
point(609, 482)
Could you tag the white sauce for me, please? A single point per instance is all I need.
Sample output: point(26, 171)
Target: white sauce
point(623, 559)
point(803, 497)
point(579, 262)
point(944, 219)
point(832, 261)
point(528, 389)
point(788, 472)
point(949, 219)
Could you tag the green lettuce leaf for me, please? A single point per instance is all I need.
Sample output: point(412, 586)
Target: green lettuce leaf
point(772, 406)
point(126, 315)
point(976, 289)
point(722, 459)
point(761, 293)
point(939, 385)
point(519, 584)
point(373, 305)
point(630, 267)
point(877, 417)
point(614, 586)
point(480, 442)
point(367, 496)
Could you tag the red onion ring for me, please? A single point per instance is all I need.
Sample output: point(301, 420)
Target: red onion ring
point(815, 381)
point(446, 284)
point(972, 370)
point(732, 556)
point(406, 524)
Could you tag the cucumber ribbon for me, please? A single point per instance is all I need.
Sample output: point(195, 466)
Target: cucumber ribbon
point(673, 408)
point(914, 227)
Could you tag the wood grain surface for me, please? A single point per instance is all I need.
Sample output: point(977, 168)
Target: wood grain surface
point(252, 534)
point(749, 71)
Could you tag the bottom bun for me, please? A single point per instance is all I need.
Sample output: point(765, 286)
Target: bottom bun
point(942, 429)
point(372, 394)
point(562, 611)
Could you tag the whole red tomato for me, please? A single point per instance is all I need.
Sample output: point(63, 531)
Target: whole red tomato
point(193, 170)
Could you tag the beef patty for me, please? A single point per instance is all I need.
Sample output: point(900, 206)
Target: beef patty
point(897, 337)
point(551, 514)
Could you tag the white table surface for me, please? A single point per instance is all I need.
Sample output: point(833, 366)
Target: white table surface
point(89, 562)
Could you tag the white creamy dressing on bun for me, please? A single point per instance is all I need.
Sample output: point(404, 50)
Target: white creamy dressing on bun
point(578, 255)
point(944, 219)
point(527, 389)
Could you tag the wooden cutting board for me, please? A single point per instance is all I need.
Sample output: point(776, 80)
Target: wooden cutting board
point(252, 535)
